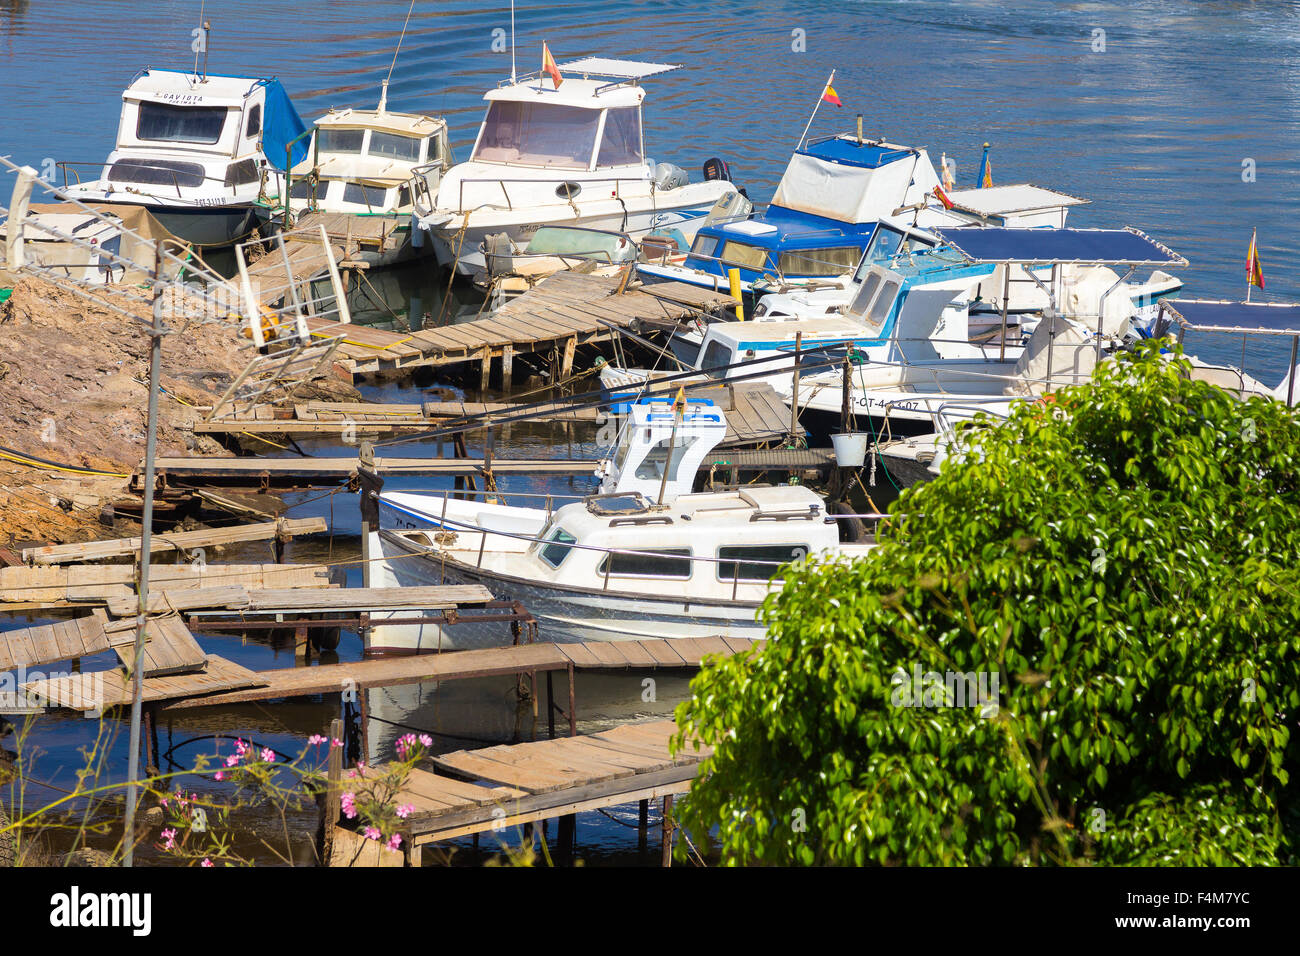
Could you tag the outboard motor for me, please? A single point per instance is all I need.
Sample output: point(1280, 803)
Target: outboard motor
point(668, 176)
point(715, 168)
point(498, 254)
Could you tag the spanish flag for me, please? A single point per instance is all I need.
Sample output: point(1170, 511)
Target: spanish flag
point(549, 67)
point(1254, 270)
point(830, 96)
point(942, 196)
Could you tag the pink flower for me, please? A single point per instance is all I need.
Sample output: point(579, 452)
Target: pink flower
point(220, 776)
point(241, 747)
point(405, 810)
point(426, 740)
point(336, 742)
point(371, 833)
point(349, 806)
point(315, 740)
point(232, 760)
point(170, 836)
point(206, 862)
point(268, 755)
point(394, 841)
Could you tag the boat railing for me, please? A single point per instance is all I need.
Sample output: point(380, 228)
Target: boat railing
point(570, 197)
point(453, 523)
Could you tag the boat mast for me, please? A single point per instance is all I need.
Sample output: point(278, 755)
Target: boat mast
point(383, 87)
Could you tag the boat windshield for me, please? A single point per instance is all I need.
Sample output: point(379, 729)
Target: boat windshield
point(652, 466)
point(621, 144)
point(837, 261)
point(159, 122)
point(341, 141)
point(538, 134)
point(395, 145)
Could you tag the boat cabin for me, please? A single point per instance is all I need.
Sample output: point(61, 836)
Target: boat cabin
point(660, 437)
point(180, 133)
point(371, 161)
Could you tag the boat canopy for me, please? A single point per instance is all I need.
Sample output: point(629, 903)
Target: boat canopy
point(848, 180)
point(1205, 315)
point(1108, 247)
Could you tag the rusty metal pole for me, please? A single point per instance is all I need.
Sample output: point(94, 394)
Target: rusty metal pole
point(667, 859)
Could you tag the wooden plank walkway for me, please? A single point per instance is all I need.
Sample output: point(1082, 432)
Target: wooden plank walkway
point(61, 585)
point(113, 689)
point(178, 541)
point(559, 314)
point(510, 785)
point(28, 647)
point(280, 600)
point(169, 646)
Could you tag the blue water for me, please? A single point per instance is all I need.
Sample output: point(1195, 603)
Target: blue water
point(1154, 130)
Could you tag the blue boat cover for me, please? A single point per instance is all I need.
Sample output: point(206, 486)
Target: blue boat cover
point(281, 125)
point(1205, 315)
point(853, 153)
point(1120, 247)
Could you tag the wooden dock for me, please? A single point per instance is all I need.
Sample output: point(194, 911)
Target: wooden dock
point(280, 530)
point(67, 585)
point(496, 788)
point(756, 416)
point(553, 319)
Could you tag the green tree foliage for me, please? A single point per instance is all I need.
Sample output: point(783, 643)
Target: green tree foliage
point(1124, 560)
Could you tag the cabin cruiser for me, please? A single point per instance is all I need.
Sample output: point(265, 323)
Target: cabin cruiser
point(572, 155)
point(199, 152)
point(1086, 315)
point(643, 558)
point(373, 163)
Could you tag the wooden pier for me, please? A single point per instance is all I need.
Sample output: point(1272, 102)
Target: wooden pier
point(553, 319)
point(755, 416)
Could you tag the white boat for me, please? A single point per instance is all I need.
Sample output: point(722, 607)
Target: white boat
point(572, 155)
point(645, 558)
point(199, 152)
point(373, 164)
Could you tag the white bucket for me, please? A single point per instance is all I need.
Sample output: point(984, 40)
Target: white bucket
point(850, 448)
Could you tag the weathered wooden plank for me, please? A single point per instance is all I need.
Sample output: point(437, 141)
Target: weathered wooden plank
point(186, 540)
point(112, 689)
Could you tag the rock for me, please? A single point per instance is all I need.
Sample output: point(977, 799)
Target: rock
point(89, 856)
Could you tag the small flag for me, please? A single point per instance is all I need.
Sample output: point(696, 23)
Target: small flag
point(1254, 270)
point(948, 179)
point(942, 196)
point(549, 66)
point(986, 170)
point(830, 96)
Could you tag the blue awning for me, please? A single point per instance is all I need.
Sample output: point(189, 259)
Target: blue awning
point(1108, 247)
point(1205, 315)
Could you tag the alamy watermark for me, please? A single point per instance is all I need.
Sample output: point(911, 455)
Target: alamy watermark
point(83, 692)
point(949, 689)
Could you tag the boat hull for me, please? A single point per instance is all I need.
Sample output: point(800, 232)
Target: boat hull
point(564, 615)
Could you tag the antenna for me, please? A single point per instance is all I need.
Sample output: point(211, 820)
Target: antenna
point(204, 46)
point(383, 91)
point(513, 78)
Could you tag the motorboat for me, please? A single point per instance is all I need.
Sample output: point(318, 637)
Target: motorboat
point(202, 153)
point(373, 164)
point(572, 154)
point(644, 557)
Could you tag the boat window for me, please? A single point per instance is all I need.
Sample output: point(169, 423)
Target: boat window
point(621, 145)
point(538, 134)
point(254, 125)
point(740, 562)
point(717, 356)
point(302, 189)
point(237, 174)
point(819, 262)
point(884, 303)
point(341, 140)
point(652, 465)
point(743, 254)
point(156, 172)
point(884, 245)
point(391, 144)
point(659, 563)
point(180, 124)
point(372, 196)
point(704, 246)
point(870, 285)
point(557, 547)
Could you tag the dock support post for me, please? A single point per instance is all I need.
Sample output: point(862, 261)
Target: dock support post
point(566, 363)
point(365, 554)
point(301, 642)
point(150, 742)
point(573, 713)
point(550, 706)
point(485, 371)
point(568, 830)
point(507, 366)
point(642, 824)
point(667, 859)
point(330, 807)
